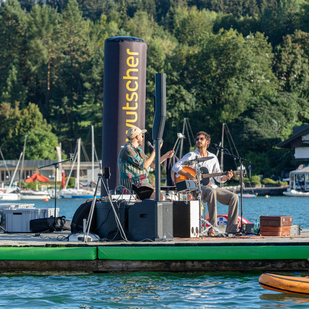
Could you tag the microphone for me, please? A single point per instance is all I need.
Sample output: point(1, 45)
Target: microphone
point(197, 160)
point(218, 147)
point(149, 144)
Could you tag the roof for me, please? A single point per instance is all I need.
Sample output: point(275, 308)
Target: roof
point(299, 132)
point(27, 163)
point(301, 171)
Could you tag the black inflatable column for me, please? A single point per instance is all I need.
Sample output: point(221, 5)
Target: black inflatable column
point(124, 97)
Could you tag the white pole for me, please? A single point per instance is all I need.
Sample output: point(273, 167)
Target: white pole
point(22, 163)
point(92, 144)
point(78, 164)
point(12, 179)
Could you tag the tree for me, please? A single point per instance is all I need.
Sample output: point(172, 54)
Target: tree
point(28, 121)
point(44, 58)
point(12, 64)
point(292, 66)
point(70, 92)
point(230, 70)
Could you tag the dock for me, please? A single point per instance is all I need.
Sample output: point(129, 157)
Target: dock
point(54, 252)
point(270, 191)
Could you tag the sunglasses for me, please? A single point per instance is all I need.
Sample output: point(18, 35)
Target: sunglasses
point(200, 138)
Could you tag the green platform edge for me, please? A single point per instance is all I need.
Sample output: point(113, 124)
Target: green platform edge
point(48, 254)
point(157, 253)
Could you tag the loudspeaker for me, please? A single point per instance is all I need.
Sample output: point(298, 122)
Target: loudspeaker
point(82, 213)
point(186, 219)
point(150, 220)
point(160, 106)
point(106, 221)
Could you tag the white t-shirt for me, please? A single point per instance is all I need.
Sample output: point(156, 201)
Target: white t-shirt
point(212, 165)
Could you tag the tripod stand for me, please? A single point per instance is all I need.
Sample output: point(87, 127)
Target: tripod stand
point(241, 160)
point(56, 165)
point(199, 194)
point(90, 215)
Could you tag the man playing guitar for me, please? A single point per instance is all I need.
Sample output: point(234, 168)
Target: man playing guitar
point(210, 191)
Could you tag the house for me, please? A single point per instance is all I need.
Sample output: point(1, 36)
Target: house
point(299, 141)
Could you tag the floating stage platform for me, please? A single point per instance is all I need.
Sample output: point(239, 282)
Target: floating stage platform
point(54, 252)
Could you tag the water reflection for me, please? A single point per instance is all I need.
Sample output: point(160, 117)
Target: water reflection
point(288, 299)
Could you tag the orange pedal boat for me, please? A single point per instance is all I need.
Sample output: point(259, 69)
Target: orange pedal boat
point(285, 284)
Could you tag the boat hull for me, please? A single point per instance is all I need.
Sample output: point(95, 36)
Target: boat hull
point(294, 193)
point(34, 197)
point(285, 284)
point(10, 197)
point(67, 196)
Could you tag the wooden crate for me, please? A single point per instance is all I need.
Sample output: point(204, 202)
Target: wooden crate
point(275, 230)
point(276, 221)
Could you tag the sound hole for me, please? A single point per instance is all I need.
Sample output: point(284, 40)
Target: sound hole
point(144, 215)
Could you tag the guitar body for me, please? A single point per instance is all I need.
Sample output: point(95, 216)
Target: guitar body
point(190, 170)
point(205, 176)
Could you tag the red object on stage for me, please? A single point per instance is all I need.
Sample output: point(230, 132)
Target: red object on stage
point(222, 220)
point(37, 177)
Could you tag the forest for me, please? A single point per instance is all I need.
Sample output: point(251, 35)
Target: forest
point(239, 62)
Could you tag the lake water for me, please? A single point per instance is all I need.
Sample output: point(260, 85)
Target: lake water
point(152, 289)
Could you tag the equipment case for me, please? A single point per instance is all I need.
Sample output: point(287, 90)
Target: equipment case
point(276, 221)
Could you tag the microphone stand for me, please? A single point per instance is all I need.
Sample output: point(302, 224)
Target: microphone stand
point(56, 164)
point(199, 193)
point(241, 160)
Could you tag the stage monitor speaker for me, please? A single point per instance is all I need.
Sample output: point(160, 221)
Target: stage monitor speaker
point(160, 106)
point(150, 220)
point(106, 222)
point(186, 219)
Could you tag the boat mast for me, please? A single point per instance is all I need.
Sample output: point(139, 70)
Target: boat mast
point(78, 164)
point(12, 179)
point(92, 159)
point(22, 162)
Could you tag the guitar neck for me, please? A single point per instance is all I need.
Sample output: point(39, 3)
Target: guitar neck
point(213, 175)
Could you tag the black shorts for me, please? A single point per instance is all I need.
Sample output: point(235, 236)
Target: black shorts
point(142, 192)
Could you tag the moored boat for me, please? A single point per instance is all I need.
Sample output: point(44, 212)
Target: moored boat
point(33, 195)
point(296, 193)
point(299, 183)
point(285, 284)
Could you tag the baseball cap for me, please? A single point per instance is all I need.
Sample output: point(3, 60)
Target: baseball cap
point(134, 131)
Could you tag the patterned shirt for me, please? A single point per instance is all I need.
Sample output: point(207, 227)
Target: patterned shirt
point(131, 163)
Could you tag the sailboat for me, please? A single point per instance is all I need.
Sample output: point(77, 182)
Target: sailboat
point(77, 192)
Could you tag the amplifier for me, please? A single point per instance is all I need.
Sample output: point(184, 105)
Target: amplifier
point(106, 226)
point(186, 185)
point(150, 220)
point(186, 219)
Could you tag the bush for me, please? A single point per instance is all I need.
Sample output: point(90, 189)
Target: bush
point(269, 181)
point(71, 183)
point(247, 181)
point(283, 183)
point(255, 180)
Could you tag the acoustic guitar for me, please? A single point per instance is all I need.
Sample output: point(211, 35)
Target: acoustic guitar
point(205, 175)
